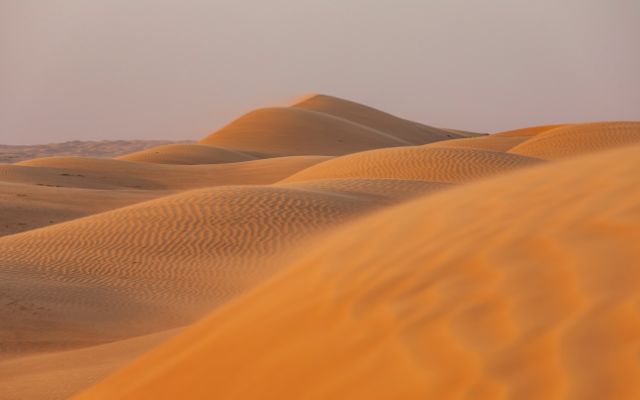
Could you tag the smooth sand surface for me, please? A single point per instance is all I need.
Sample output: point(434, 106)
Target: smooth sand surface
point(438, 164)
point(507, 273)
point(530, 294)
point(321, 125)
point(187, 154)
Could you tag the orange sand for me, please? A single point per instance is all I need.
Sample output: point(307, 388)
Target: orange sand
point(328, 250)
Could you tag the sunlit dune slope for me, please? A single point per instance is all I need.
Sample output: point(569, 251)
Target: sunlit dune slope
point(25, 207)
point(530, 131)
point(410, 131)
point(430, 163)
point(60, 375)
point(488, 142)
point(105, 173)
point(162, 263)
point(187, 154)
point(579, 139)
point(322, 125)
point(524, 286)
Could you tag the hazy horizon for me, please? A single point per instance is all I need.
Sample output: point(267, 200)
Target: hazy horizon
point(74, 70)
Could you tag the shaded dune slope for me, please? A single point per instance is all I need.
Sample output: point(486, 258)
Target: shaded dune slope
point(531, 293)
point(105, 173)
point(187, 154)
point(162, 263)
point(579, 139)
point(429, 163)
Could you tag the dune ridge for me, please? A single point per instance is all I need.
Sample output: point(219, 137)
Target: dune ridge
point(452, 298)
point(429, 163)
point(572, 140)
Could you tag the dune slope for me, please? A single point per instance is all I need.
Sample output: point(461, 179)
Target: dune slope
point(529, 294)
point(187, 154)
point(407, 130)
point(105, 173)
point(24, 207)
point(160, 264)
point(579, 139)
point(430, 163)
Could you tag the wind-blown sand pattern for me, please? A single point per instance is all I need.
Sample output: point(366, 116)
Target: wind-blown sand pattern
point(579, 139)
point(326, 250)
point(454, 297)
point(438, 164)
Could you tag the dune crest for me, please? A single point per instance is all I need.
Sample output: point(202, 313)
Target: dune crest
point(452, 298)
point(573, 140)
point(438, 163)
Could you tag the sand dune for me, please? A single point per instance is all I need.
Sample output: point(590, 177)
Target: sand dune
point(103, 148)
point(162, 263)
point(531, 293)
point(24, 207)
point(430, 163)
point(321, 125)
point(579, 139)
point(105, 173)
point(187, 154)
point(409, 131)
point(508, 273)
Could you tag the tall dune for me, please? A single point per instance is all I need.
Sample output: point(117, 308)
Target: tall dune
point(429, 163)
point(407, 130)
point(321, 125)
point(524, 286)
point(187, 154)
point(579, 139)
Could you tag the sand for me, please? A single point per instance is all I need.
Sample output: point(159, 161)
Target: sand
point(187, 154)
point(528, 295)
point(103, 148)
point(326, 249)
point(438, 164)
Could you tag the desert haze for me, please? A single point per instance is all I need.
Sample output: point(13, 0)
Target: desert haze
point(325, 250)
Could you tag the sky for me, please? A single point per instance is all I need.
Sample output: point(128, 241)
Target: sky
point(159, 69)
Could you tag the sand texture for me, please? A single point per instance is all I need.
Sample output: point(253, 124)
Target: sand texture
point(532, 294)
point(325, 250)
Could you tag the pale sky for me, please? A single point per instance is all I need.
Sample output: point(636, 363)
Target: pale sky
point(159, 69)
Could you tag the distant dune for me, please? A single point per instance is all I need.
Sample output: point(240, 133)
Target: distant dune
point(324, 250)
point(102, 148)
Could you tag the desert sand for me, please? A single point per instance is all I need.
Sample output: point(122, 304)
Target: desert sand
point(327, 250)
